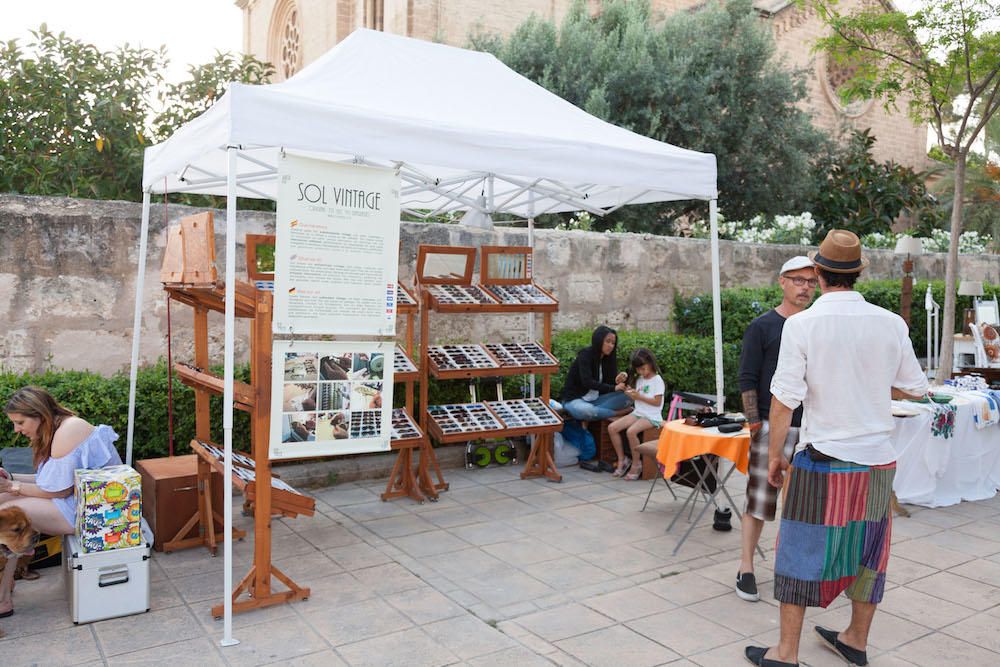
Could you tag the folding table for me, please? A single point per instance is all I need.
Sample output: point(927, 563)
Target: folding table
point(680, 442)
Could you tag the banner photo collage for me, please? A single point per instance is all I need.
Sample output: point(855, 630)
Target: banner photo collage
point(336, 259)
point(332, 398)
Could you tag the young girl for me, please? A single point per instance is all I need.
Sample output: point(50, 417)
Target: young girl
point(648, 412)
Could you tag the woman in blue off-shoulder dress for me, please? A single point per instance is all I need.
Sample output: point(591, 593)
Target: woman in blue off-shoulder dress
point(61, 444)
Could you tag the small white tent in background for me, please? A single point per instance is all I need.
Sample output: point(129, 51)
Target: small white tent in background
point(465, 132)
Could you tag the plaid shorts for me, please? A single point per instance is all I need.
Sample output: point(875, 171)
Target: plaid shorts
point(835, 534)
point(762, 498)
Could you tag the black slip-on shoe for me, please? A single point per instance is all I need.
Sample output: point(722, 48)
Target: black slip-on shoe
point(755, 655)
point(851, 655)
point(604, 466)
point(590, 465)
point(746, 586)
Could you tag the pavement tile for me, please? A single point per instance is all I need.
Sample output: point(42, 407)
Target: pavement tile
point(564, 622)
point(505, 589)
point(615, 646)
point(953, 588)
point(928, 553)
point(966, 544)
point(430, 543)
point(982, 630)
point(746, 618)
point(938, 649)
point(519, 656)
point(329, 537)
point(902, 570)
point(186, 653)
point(272, 642)
point(888, 631)
point(467, 562)
point(568, 572)
point(524, 551)
point(987, 530)
point(424, 605)
point(399, 525)
point(407, 648)
point(985, 571)
point(124, 635)
point(356, 556)
point(452, 517)
point(683, 631)
point(481, 534)
point(67, 646)
point(923, 608)
point(468, 637)
point(374, 509)
point(628, 604)
point(387, 579)
point(686, 588)
point(325, 658)
point(356, 622)
point(624, 560)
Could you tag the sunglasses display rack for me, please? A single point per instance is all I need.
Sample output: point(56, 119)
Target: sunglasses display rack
point(403, 368)
point(405, 301)
point(284, 498)
point(403, 427)
point(525, 415)
point(460, 361)
point(445, 285)
point(523, 357)
point(461, 422)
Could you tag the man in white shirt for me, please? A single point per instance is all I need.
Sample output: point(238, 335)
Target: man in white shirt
point(843, 360)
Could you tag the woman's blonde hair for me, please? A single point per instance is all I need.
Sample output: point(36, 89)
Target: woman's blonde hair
point(38, 404)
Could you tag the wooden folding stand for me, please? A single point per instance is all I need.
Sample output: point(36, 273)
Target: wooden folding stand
point(406, 435)
point(251, 473)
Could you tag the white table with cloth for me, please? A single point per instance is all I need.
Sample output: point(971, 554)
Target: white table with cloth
point(943, 460)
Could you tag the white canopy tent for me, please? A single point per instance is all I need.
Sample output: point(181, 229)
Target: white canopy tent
point(465, 133)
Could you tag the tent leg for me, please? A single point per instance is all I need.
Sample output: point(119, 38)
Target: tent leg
point(140, 280)
point(713, 216)
point(227, 408)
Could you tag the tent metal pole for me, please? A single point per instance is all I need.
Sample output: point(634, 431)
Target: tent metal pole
point(227, 402)
point(713, 217)
point(140, 280)
point(531, 244)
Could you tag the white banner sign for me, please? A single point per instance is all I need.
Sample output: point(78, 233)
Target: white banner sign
point(337, 248)
point(330, 398)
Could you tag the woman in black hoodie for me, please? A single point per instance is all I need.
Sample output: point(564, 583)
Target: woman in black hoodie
point(594, 388)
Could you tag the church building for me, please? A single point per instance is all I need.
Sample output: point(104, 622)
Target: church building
point(292, 33)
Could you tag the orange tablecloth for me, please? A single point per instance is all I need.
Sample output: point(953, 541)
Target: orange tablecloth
point(680, 442)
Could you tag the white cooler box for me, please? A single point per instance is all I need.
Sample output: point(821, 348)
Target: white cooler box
point(106, 584)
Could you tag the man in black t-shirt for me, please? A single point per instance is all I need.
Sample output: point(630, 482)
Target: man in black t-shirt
point(758, 360)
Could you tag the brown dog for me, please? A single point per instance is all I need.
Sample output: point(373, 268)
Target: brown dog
point(15, 531)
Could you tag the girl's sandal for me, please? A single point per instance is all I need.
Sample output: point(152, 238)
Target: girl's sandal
point(633, 476)
point(622, 467)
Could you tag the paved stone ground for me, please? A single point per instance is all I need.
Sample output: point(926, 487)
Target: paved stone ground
point(509, 572)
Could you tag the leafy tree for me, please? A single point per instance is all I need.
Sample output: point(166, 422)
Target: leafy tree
point(866, 196)
point(75, 120)
point(943, 60)
point(707, 80)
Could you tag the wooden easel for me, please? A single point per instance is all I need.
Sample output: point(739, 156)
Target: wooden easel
point(251, 474)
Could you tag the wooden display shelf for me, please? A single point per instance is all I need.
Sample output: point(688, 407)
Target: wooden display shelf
point(214, 298)
point(406, 303)
point(539, 418)
point(474, 422)
point(405, 432)
point(530, 298)
point(523, 358)
point(197, 378)
point(284, 498)
point(404, 370)
point(452, 362)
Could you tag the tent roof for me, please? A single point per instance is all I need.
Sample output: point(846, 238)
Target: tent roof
point(457, 123)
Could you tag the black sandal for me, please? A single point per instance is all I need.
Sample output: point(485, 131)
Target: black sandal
point(755, 655)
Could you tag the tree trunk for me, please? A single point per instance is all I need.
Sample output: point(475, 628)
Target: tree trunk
point(950, 274)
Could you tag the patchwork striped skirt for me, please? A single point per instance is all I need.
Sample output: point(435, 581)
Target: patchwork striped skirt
point(835, 532)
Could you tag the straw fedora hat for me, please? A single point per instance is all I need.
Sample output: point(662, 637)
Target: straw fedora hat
point(840, 252)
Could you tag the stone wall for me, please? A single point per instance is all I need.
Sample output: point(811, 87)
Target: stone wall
point(68, 266)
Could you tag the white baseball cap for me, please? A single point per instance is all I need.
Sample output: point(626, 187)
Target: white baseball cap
point(796, 263)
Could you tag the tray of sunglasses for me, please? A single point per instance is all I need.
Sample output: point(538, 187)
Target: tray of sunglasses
point(528, 296)
point(460, 361)
point(284, 498)
point(366, 424)
point(405, 301)
point(461, 298)
point(525, 357)
point(459, 422)
point(525, 415)
point(403, 368)
point(404, 429)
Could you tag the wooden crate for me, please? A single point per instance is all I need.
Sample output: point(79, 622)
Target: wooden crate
point(170, 494)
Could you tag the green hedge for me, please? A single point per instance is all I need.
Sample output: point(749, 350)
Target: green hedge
point(686, 363)
point(740, 305)
point(104, 400)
